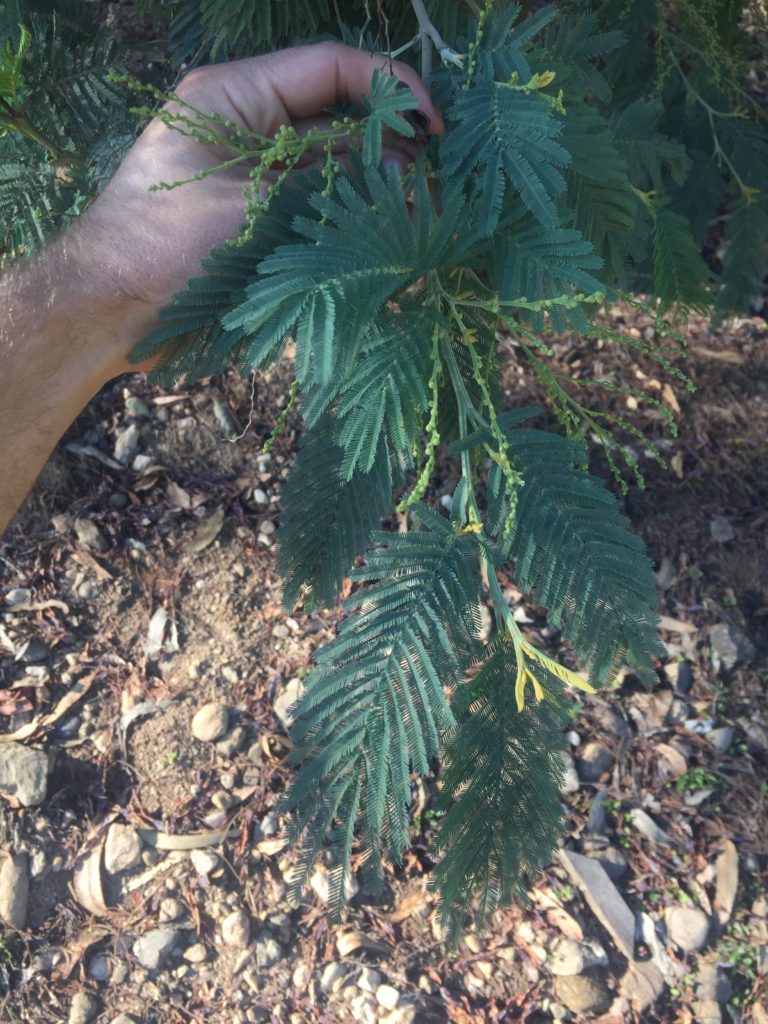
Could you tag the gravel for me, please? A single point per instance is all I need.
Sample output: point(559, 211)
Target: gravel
point(583, 993)
point(236, 929)
point(122, 849)
point(83, 1008)
point(688, 928)
point(23, 773)
point(152, 948)
point(210, 722)
point(14, 889)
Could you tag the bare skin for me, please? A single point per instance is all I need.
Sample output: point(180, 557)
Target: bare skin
point(69, 318)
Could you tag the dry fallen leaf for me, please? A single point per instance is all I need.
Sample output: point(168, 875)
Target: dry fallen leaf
point(71, 697)
point(206, 533)
point(86, 877)
point(191, 841)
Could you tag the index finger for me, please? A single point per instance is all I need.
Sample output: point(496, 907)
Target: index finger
point(306, 79)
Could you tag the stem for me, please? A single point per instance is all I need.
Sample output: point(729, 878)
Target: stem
point(20, 123)
point(428, 31)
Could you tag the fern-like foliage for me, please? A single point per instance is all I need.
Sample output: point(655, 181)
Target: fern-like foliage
point(375, 707)
point(329, 515)
point(572, 549)
point(501, 782)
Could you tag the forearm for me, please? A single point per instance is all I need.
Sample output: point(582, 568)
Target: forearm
point(66, 326)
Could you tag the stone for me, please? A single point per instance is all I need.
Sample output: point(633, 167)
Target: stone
point(170, 909)
point(332, 976)
point(727, 884)
point(712, 984)
point(233, 742)
point(17, 596)
point(136, 406)
point(721, 739)
point(210, 722)
point(279, 631)
point(387, 996)
point(604, 898)
point(595, 759)
point(720, 529)
point(642, 985)
point(757, 736)
point(83, 1008)
point(98, 968)
point(14, 889)
point(680, 675)
point(731, 645)
point(647, 827)
point(23, 773)
point(706, 1011)
point(126, 444)
point(614, 862)
point(153, 947)
point(570, 781)
point(90, 535)
point(583, 993)
point(124, 1018)
point(369, 980)
point(236, 929)
point(266, 951)
point(687, 927)
point(204, 861)
point(566, 958)
point(196, 954)
point(260, 497)
point(321, 886)
point(122, 849)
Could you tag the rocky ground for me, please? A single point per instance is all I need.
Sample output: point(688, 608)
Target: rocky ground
point(146, 668)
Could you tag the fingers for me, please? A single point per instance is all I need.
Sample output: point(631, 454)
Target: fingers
point(306, 79)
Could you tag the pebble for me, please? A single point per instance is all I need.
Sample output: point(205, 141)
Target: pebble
point(210, 722)
point(279, 631)
point(233, 742)
point(721, 739)
point(266, 951)
point(122, 849)
point(369, 980)
point(23, 773)
point(98, 968)
point(236, 929)
point(570, 782)
point(124, 1018)
point(687, 927)
point(126, 444)
point(136, 406)
point(614, 862)
point(224, 801)
point(152, 948)
point(19, 595)
point(170, 909)
point(204, 861)
point(387, 996)
point(731, 645)
point(14, 889)
point(288, 696)
point(267, 527)
point(82, 1009)
point(260, 497)
point(594, 761)
point(321, 886)
point(566, 958)
point(90, 535)
point(582, 993)
point(332, 976)
point(680, 675)
point(196, 954)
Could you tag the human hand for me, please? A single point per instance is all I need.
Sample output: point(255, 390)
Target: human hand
point(163, 235)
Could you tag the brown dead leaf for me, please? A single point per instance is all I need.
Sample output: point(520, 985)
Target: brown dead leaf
point(76, 948)
point(206, 533)
point(70, 698)
point(86, 558)
point(86, 878)
point(674, 760)
point(177, 495)
point(412, 902)
point(349, 941)
point(670, 398)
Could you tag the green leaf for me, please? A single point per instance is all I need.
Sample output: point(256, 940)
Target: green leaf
point(501, 133)
point(679, 272)
point(500, 793)
point(388, 97)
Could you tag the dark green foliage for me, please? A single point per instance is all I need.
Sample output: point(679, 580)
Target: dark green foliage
point(501, 781)
point(375, 706)
point(328, 515)
point(584, 153)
